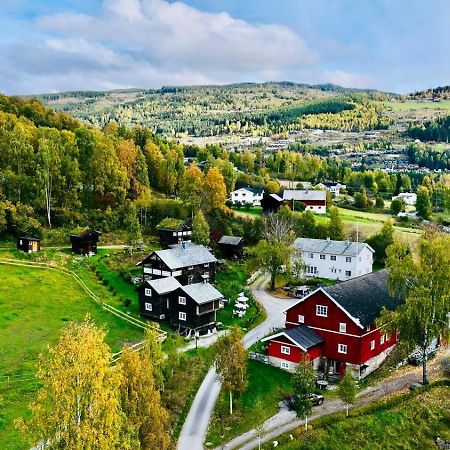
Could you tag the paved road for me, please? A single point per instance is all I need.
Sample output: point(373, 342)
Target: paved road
point(195, 427)
point(285, 421)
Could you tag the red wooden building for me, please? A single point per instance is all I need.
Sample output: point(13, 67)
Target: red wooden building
point(334, 327)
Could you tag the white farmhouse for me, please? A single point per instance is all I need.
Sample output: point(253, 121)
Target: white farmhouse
point(247, 196)
point(408, 197)
point(334, 188)
point(335, 260)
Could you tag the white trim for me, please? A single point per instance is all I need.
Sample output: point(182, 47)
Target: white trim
point(285, 365)
point(285, 350)
point(181, 300)
point(295, 344)
point(343, 347)
point(322, 310)
point(301, 318)
point(342, 327)
point(148, 306)
point(148, 292)
point(181, 315)
point(329, 331)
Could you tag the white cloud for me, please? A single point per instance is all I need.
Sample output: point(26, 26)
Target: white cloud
point(349, 79)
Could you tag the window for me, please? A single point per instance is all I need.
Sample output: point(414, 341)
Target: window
point(190, 267)
point(348, 273)
point(148, 292)
point(182, 315)
point(190, 279)
point(348, 259)
point(333, 257)
point(285, 350)
point(148, 306)
point(322, 257)
point(372, 345)
point(284, 365)
point(20, 242)
point(181, 300)
point(322, 310)
point(368, 328)
point(382, 338)
point(206, 265)
point(174, 233)
point(342, 348)
point(301, 318)
point(342, 327)
point(311, 255)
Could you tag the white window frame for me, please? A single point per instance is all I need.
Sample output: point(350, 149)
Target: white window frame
point(285, 350)
point(323, 257)
point(148, 306)
point(181, 300)
point(342, 348)
point(181, 315)
point(348, 259)
point(206, 265)
point(285, 365)
point(148, 292)
point(342, 327)
point(382, 339)
point(348, 273)
point(321, 312)
point(333, 257)
point(372, 344)
point(301, 318)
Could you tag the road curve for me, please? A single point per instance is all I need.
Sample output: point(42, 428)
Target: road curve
point(195, 427)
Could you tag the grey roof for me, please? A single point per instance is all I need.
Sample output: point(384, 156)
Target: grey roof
point(302, 195)
point(184, 255)
point(304, 336)
point(164, 285)
point(363, 297)
point(344, 248)
point(230, 240)
point(250, 189)
point(202, 292)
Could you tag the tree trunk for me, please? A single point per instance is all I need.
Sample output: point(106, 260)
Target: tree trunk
point(424, 363)
point(306, 423)
point(272, 282)
point(346, 410)
point(231, 403)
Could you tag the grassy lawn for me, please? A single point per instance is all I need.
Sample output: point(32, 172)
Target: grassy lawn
point(413, 105)
point(247, 211)
point(265, 383)
point(409, 421)
point(34, 305)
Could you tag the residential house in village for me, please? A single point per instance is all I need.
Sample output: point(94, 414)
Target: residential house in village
point(28, 244)
point(271, 203)
point(247, 196)
point(334, 328)
point(173, 231)
point(85, 243)
point(409, 198)
point(231, 246)
point(334, 188)
point(336, 260)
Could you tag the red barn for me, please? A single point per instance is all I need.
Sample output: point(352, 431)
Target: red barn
point(340, 323)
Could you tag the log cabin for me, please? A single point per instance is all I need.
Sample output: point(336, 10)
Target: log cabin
point(85, 243)
point(28, 244)
point(231, 246)
point(173, 231)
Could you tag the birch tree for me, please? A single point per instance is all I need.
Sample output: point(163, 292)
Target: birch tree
point(303, 381)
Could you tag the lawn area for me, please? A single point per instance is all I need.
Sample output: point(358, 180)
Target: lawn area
point(408, 421)
point(414, 104)
point(248, 211)
point(34, 305)
point(265, 383)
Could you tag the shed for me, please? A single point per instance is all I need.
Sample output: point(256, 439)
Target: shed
point(85, 242)
point(173, 231)
point(28, 244)
point(232, 246)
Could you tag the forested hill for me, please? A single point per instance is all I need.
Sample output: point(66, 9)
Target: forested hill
point(257, 109)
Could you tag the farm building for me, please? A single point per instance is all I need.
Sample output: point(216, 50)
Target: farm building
point(173, 231)
point(271, 202)
point(315, 200)
point(334, 327)
point(85, 243)
point(28, 244)
point(232, 246)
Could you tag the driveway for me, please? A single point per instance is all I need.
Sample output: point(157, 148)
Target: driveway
point(195, 427)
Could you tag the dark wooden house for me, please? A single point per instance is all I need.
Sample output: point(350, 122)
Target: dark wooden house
point(28, 244)
point(85, 242)
point(154, 297)
point(271, 202)
point(187, 262)
point(232, 246)
point(173, 231)
point(193, 308)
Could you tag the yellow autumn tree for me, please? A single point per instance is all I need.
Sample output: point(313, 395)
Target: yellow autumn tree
point(214, 193)
point(78, 405)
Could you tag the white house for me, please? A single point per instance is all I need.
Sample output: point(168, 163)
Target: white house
point(315, 200)
point(336, 260)
point(408, 197)
point(247, 196)
point(334, 188)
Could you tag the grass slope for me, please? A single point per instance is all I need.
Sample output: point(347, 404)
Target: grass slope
point(34, 305)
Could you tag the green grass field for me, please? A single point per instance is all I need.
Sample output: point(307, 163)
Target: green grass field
point(34, 305)
point(414, 105)
point(407, 422)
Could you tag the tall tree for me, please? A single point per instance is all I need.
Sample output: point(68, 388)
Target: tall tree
point(382, 240)
point(335, 226)
point(423, 203)
point(147, 420)
point(303, 381)
point(153, 349)
point(191, 188)
point(347, 389)
point(200, 229)
point(425, 282)
point(133, 226)
point(78, 404)
point(231, 362)
point(214, 192)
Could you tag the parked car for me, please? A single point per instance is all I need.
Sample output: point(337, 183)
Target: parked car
point(416, 357)
point(316, 399)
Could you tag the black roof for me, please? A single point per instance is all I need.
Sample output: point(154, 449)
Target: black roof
point(304, 336)
point(363, 297)
point(85, 233)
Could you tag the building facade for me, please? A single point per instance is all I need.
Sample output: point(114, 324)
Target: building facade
point(247, 196)
point(28, 244)
point(173, 232)
point(314, 200)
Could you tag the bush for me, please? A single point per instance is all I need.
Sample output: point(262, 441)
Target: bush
point(126, 302)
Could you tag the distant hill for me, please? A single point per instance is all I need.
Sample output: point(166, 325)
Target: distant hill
point(438, 93)
point(206, 110)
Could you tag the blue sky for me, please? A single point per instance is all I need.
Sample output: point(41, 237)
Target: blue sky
point(59, 45)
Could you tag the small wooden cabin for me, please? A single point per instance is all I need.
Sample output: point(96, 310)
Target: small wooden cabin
point(271, 203)
point(28, 244)
point(85, 242)
point(232, 246)
point(173, 231)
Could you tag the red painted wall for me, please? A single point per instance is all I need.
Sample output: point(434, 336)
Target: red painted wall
point(314, 202)
point(296, 353)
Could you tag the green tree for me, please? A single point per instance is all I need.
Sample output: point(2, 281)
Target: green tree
point(423, 203)
point(78, 404)
point(379, 202)
point(303, 381)
point(231, 362)
point(200, 229)
point(153, 349)
point(191, 188)
point(381, 241)
point(335, 226)
point(133, 226)
point(273, 186)
point(397, 206)
point(425, 283)
point(306, 225)
point(347, 389)
point(259, 416)
point(361, 199)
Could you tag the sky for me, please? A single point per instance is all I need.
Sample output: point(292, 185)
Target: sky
point(62, 45)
